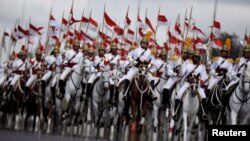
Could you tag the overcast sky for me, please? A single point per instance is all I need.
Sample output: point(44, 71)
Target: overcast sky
point(233, 14)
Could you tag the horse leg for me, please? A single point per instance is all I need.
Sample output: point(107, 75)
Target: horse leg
point(185, 124)
point(234, 117)
point(133, 113)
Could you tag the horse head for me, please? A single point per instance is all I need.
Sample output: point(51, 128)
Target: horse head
point(116, 74)
point(245, 81)
point(105, 76)
point(193, 80)
point(85, 67)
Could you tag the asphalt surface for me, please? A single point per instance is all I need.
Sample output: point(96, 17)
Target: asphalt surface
point(10, 135)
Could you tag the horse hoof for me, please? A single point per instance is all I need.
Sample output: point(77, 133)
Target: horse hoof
point(132, 127)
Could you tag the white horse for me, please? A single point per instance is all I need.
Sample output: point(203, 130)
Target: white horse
point(190, 109)
point(73, 90)
point(239, 101)
point(100, 102)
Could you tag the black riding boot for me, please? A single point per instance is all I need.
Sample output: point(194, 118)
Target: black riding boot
point(152, 83)
point(204, 111)
point(89, 90)
point(177, 109)
point(116, 95)
point(53, 94)
point(26, 89)
point(43, 85)
point(165, 94)
point(62, 88)
point(111, 101)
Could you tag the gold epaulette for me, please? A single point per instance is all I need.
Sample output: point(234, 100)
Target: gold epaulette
point(237, 60)
point(215, 59)
point(230, 60)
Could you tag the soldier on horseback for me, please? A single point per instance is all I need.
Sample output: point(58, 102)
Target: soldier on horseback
point(139, 55)
point(240, 65)
point(190, 72)
point(114, 59)
point(20, 68)
point(53, 65)
point(220, 67)
point(72, 58)
point(98, 63)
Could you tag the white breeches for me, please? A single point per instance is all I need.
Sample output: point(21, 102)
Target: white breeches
point(55, 79)
point(93, 78)
point(185, 87)
point(170, 82)
point(212, 81)
point(13, 80)
point(65, 73)
point(31, 80)
point(236, 80)
point(46, 76)
point(130, 75)
point(2, 79)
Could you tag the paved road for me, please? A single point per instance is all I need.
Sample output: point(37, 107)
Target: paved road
point(10, 135)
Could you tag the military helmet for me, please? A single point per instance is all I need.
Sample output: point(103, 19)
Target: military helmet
point(197, 53)
point(184, 49)
point(246, 48)
point(40, 50)
point(85, 47)
point(76, 43)
point(91, 50)
point(113, 45)
point(67, 45)
point(145, 39)
point(23, 51)
point(227, 45)
point(164, 51)
point(191, 50)
point(56, 49)
point(154, 51)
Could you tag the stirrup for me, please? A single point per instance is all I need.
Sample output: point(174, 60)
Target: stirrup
point(204, 116)
point(175, 117)
point(219, 106)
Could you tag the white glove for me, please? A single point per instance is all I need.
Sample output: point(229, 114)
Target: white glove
point(212, 72)
point(215, 74)
point(174, 74)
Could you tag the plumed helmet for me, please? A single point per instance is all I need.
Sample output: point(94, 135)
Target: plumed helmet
point(76, 43)
point(23, 51)
point(227, 45)
point(164, 52)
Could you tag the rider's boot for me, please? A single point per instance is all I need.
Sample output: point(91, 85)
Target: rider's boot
point(43, 86)
point(89, 90)
point(26, 89)
point(177, 106)
point(165, 94)
point(111, 101)
point(62, 88)
point(53, 94)
point(203, 106)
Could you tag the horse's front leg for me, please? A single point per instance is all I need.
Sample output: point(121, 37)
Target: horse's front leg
point(234, 117)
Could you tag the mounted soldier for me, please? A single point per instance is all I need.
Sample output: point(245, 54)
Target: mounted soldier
point(240, 65)
point(221, 66)
point(20, 68)
point(72, 58)
point(190, 72)
point(53, 64)
point(37, 68)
